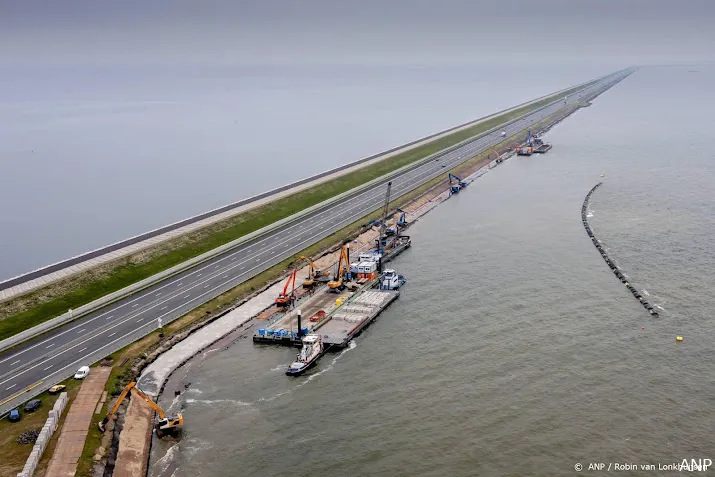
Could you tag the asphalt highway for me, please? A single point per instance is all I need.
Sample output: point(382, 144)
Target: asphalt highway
point(70, 346)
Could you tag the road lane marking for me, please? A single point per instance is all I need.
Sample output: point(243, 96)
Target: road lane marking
point(50, 345)
point(187, 296)
point(109, 317)
point(164, 308)
point(12, 364)
point(135, 305)
point(11, 387)
point(207, 286)
point(80, 331)
point(158, 294)
point(199, 274)
point(140, 320)
point(180, 284)
point(109, 336)
point(48, 367)
point(82, 349)
point(225, 276)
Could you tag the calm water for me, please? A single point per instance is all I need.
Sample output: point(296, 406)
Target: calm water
point(513, 350)
point(89, 156)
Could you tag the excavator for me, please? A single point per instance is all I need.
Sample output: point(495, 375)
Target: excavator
point(401, 222)
point(315, 274)
point(166, 425)
point(338, 283)
point(455, 184)
point(284, 299)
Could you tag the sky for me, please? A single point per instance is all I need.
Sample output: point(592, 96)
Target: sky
point(608, 32)
point(121, 116)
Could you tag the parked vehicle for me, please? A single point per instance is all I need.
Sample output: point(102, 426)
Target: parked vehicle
point(57, 389)
point(82, 372)
point(33, 405)
point(14, 415)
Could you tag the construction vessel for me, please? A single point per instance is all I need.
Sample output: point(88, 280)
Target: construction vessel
point(540, 147)
point(354, 297)
point(166, 425)
point(533, 145)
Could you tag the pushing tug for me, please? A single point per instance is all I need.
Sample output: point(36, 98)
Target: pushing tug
point(391, 280)
point(309, 354)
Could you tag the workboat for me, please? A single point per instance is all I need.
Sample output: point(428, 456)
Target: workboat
point(309, 354)
point(391, 280)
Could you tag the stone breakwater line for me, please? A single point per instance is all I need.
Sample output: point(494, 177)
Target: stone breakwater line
point(616, 271)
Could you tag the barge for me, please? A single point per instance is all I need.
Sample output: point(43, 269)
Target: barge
point(352, 318)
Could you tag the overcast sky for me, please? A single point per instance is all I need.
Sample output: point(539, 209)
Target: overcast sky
point(609, 32)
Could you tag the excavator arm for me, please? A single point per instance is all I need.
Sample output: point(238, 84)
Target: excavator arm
point(337, 283)
point(165, 424)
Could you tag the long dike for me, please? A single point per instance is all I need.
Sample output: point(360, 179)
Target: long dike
point(609, 261)
point(104, 348)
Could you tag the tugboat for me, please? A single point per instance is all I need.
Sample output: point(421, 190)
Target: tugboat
point(391, 280)
point(309, 354)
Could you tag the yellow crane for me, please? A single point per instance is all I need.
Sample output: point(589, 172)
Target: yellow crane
point(314, 274)
point(165, 425)
point(337, 283)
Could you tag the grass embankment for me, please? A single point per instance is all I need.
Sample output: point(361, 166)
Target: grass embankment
point(32, 309)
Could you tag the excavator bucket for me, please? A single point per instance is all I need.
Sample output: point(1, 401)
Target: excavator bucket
point(103, 424)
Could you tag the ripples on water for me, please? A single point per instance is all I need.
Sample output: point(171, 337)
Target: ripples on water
point(513, 349)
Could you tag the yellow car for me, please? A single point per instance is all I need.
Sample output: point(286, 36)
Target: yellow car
point(58, 388)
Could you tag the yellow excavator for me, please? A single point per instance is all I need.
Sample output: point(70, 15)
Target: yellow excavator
point(337, 283)
point(165, 425)
point(314, 275)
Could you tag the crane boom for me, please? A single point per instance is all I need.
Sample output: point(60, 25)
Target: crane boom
point(384, 216)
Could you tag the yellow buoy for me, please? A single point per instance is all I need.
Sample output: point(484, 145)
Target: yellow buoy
point(678, 338)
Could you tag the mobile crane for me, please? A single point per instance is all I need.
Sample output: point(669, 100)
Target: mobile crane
point(338, 282)
point(284, 299)
point(166, 425)
point(314, 274)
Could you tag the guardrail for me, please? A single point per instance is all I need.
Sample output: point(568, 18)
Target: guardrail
point(119, 343)
point(276, 226)
point(9, 283)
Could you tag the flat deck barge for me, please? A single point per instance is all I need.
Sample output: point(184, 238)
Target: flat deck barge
point(545, 147)
point(353, 317)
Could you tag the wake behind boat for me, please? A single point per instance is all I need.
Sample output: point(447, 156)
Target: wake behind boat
point(309, 354)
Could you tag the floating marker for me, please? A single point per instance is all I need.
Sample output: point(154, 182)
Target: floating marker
point(678, 338)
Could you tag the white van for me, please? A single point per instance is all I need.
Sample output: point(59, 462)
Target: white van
point(82, 372)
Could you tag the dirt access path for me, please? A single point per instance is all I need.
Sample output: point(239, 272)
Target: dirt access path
point(74, 431)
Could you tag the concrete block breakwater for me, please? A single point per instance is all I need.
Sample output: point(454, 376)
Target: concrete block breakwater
point(616, 271)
